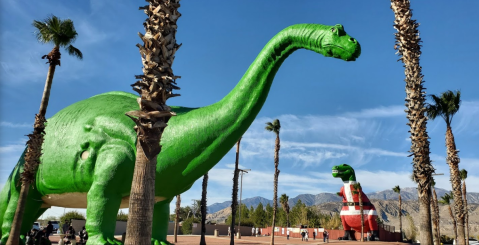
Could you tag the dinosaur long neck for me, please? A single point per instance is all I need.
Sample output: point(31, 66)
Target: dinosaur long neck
point(244, 102)
point(227, 120)
point(348, 178)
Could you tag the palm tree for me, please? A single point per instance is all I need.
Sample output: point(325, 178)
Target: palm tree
point(409, 48)
point(155, 86)
point(435, 214)
point(464, 195)
point(177, 216)
point(274, 127)
point(397, 189)
point(358, 190)
point(235, 194)
point(60, 33)
point(446, 199)
point(446, 106)
point(284, 201)
point(203, 209)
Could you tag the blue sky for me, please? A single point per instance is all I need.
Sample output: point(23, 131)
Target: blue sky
point(331, 111)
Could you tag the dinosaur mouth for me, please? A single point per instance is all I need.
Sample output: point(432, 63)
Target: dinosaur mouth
point(335, 171)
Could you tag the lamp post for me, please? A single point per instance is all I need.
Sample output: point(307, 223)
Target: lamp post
point(241, 191)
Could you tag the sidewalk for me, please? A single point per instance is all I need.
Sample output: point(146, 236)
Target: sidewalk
point(224, 240)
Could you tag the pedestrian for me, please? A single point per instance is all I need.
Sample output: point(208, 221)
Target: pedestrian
point(252, 231)
point(314, 235)
point(65, 227)
point(287, 234)
point(257, 231)
point(325, 235)
point(83, 235)
point(306, 237)
point(40, 237)
point(229, 231)
point(302, 235)
point(49, 229)
point(70, 235)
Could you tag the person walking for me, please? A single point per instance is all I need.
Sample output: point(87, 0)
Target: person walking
point(306, 236)
point(314, 235)
point(65, 227)
point(252, 231)
point(49, 229)
point(287, 234)
point(229, 231)
point(325, 235)
point(302, 235)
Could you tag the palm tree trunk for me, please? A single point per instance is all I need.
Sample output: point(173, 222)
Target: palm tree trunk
point(142, 199)
point(466, 211)
point(400, 216)
point(177, 216)
point(275, 195)
point(203, 209)
point(453, 161)
point(453, 223)
point(362, 214)
point(408, 46)
point(436, 208)
point(235, 194)
point(155, 86)
point(34, 148)
point(287, 219)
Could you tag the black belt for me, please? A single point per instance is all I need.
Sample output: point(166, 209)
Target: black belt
point(356, 204)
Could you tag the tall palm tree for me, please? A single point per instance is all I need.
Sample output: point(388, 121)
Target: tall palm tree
point(397, 189)
point(60, 33)
point(275, 127)
point(155, 86)
point(284, 201)
point(409, 48)
point(203, 209)
point(235, 194)
point(358, 190)
point(446, 106)
point(446, 199)
point(435, 214)
point(177, 216)
point(464, 195)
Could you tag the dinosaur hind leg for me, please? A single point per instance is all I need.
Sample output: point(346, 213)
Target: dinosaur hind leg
point(161, 216)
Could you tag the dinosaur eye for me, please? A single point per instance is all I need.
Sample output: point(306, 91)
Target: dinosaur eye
point(84, 155)
point(333, 29)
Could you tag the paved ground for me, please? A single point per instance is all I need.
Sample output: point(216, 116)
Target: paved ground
point(224, 240)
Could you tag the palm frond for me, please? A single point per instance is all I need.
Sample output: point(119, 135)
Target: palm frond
point(397, 189)
point(445, 105)
point(74, 52)
point(463, 174)
point(446, 199)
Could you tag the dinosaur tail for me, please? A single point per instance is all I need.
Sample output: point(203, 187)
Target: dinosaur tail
point(7, 188)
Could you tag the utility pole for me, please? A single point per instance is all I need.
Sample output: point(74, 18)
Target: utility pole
point(241, 192)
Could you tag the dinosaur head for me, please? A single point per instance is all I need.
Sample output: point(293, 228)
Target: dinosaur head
point(336, 43)
point(345, 172)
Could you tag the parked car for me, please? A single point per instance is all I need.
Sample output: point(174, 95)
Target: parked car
point(36, 226)
point(471, 241)
point(56, 225)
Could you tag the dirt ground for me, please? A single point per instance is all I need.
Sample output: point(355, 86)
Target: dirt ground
point(224, 240)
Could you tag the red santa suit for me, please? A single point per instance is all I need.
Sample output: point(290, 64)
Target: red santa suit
point(351, 213)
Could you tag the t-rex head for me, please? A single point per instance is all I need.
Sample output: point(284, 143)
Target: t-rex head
point(345, 172)
point(336, 43)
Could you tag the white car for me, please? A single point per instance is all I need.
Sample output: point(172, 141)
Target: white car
point(471, 241)
point(36, 226)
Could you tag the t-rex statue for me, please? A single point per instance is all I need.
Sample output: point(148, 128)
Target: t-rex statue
point(89, 148)
point(350, 212)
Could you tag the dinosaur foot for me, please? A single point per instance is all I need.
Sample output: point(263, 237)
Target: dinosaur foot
point(158, 242)
point(375, 235)
point(101, 240)
point(347, 235)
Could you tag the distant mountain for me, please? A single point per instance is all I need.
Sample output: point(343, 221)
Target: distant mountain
point(407, 194)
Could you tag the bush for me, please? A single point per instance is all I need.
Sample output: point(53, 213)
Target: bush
point(68, 216)
point(187, 225)
point(121, 216)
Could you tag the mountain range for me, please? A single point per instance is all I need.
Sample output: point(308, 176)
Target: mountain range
point(407, 194)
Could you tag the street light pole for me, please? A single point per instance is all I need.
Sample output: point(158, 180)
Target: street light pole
point(241, 192)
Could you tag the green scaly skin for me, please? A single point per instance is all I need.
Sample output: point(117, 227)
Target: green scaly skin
point(89, 148)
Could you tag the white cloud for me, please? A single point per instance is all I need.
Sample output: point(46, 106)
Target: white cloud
point(15, 125)
point(382, 111)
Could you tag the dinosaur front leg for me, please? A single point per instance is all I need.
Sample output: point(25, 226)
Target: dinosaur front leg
point(161, 218)
point(112, 179)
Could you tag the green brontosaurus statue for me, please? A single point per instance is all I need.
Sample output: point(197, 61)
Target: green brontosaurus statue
point(89, 148)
